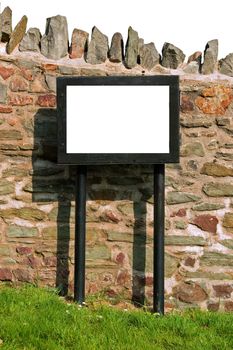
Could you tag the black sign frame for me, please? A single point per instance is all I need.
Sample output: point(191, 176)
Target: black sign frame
point(122, 158)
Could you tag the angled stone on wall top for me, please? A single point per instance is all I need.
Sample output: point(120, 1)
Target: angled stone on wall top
point(54, 43)
point(226, 65)
point(210, 57)
point(149, 56)
point(172, 56)
point(98, 48)
point(6, 23)
point(131, 52)
point(117, 48)
point(79, 43)
point(17, 34)
point(31, 40)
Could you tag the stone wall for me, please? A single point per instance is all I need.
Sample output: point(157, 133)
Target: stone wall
point(36, 195)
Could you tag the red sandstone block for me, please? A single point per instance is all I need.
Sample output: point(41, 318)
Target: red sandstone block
point(18, 83)
point(49, 67)
point(48, 100)
point(27, 74)
point(21, 100)
point(5, 109)
point(24, 250)
point(206, 222)
point(6, 72)
point(22, 275)
point(223, 290)
point(5, 275)
point(50, 261)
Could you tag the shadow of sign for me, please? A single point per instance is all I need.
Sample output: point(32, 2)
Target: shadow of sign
point(54, 186)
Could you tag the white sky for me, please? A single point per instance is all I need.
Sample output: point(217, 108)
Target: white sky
point(186, 24)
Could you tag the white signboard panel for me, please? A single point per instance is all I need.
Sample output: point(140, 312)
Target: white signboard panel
point(117, 119)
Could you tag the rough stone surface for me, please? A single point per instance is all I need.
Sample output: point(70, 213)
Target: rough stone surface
point(215, 99)
point(31, 40)
point(17, 34)
point(226, 65)
point(131, 51)
point(192, 68)
point(207, 206)
point(228, 220)
point(190, 292)
point(19, 231)
point(213, 189)
point(116, 52)
point(210, 57)
point(148, 56)
point(223, 290)
point(6, 24)
point(196, 57)
point(206, 222)
point(215, 169)
point(192, 149)
point(79, 43)
point(54, 43)
point(181, 197)
point(98, 48)
point(3, 93)
point(172, 56)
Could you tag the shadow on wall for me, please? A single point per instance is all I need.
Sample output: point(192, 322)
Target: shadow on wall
point(54, 183)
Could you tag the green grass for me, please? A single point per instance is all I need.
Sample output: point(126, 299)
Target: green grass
point(33, 318)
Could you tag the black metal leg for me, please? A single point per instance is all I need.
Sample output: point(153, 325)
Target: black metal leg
point(158, 298)
point(80, 235)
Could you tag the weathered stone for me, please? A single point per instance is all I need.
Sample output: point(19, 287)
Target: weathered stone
point(207, 206)
point(6, 187)
point(213, 189)
point(203, 274)
point(171, 264)
point(48, 100)
point(54, 43)
point(213, 306)
point(99, 251)
point(195, 57)
point(51, 82)
point(6, 72)
point(149, 56)
point(98, 48)
point(21, 232)
point(79, 43)
point(189, 261)
point(21, 100)
point(5, 109)
point(223, 290)
point(180, 225)
point(192, 68)
point(206, 222)
point(180, 213)
point(89, 72)
point(3, 93)
point(10, 135)
point(5, 250)
point(131, 50)
point(195, 121)
point(222, 121)
point(216, 259)
point(215, 169)
point(23, 213)
point(228, 306)
point(5, 274)
point(186, 104)
point(192, 149)
point(22, 275)
point(210, 57)
point(185, 240)
point(31, 40)
point(228, 220)
point(172, 56)
point(117, 48)
point(215, 99)
point(227, 243)
point(17, 35)
point(226, 65)
point(18, 83)
point(189, 292)
point(181, 197)
point(6, 23)
point(23, 250)
point(61, 232)
point(224, 156)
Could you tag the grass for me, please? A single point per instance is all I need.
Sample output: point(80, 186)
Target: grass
point(38, 319)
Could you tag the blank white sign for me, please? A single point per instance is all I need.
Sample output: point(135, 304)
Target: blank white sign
point(117, 119)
